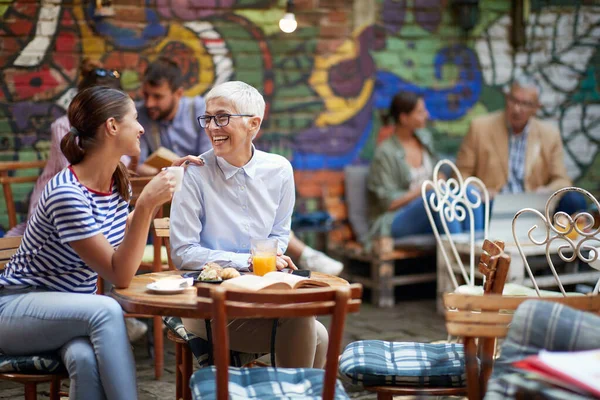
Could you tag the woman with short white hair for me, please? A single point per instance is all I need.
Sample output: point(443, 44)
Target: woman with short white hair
point(241, 194)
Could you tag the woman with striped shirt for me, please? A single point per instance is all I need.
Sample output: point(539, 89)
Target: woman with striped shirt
point(81, 228)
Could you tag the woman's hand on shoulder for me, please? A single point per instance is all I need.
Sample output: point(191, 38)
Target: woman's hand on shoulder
point(187, 160)
point(159, 190)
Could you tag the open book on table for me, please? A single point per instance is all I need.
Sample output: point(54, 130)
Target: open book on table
point(272, 281)
point(577, 371)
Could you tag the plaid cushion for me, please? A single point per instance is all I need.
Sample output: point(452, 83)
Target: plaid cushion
point(540, 325)
point(375, 362)
point(200, 348)
point(264, 383)
point(50, 363)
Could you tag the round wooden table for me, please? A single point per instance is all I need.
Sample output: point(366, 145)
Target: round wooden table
point(137, 299)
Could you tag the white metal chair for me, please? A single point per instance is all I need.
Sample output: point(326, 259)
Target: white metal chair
point(448, 198)
point(575, 236)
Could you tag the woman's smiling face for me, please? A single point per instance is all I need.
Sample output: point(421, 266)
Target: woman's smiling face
point(233, 141)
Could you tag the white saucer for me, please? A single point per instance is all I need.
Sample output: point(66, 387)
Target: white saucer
point(165, 289)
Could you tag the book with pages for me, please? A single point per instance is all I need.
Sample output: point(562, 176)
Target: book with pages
point(161, 158)
point(272, 281)
point(578, 371)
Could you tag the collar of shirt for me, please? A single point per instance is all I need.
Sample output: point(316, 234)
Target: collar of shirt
point(230, 170)
point(523, 134)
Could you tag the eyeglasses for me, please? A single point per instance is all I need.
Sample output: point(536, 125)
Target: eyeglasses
point(221, 120)
point(113, 73)
point(525, 104)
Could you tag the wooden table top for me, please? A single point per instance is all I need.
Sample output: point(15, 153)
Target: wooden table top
point(137, 299)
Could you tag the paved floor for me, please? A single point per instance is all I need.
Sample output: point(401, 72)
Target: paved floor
point(408, 321)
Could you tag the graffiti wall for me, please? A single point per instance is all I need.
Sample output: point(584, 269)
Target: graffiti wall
point(326, 85)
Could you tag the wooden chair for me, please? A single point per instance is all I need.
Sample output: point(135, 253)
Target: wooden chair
point(137, 185)
point(343, 196)
point(576, 236)
point(474, 317)
point(9, 176)
point(227, 304)
point(183, 353)
point(494, 266)
point(8, 247)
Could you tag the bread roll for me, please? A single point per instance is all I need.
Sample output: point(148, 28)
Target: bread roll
point(229, 273)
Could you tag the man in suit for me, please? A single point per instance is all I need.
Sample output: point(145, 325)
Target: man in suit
point(511, 151)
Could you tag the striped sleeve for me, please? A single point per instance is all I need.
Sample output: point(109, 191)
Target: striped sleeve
point(71, 213)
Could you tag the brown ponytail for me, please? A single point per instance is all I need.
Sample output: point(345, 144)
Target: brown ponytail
point(121, 179)
point(88, 111)
point(71, 149)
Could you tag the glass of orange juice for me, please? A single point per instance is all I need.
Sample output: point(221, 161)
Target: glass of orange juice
point(264, 255)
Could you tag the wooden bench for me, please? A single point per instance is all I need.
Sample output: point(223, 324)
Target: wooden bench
point(329, 187)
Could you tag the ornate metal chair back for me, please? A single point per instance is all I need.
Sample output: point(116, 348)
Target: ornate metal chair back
point(448, 199)
point(575, 237)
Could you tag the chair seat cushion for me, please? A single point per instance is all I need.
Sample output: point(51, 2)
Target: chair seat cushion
point(375, 362)
point(50, 363)
point(513, 289)
point(264, 383)
point(200, 348)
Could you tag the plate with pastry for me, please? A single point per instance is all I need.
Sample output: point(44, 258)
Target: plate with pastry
point(212, 273)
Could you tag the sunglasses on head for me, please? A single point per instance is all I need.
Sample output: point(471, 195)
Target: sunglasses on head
point(113, 73)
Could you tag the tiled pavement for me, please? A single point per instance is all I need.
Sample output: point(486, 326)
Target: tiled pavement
point(408, 321)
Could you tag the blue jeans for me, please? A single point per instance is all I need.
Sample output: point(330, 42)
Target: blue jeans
point(87, 330)
point(571, 203)
point(412, 219)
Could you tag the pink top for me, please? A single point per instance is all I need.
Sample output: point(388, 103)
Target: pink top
point(56, 161)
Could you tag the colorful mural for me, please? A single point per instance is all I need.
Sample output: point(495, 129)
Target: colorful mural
point(326, 85)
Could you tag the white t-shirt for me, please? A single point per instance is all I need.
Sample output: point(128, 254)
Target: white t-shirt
point(421, 174)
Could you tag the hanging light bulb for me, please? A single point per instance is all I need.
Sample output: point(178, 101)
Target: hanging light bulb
point(288, 23)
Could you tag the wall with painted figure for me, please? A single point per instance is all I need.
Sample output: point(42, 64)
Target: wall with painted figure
point(326, 85)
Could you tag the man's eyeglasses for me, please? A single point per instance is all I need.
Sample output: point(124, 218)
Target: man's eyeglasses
point(516, 102)
point(221, 120)
point(101, 72)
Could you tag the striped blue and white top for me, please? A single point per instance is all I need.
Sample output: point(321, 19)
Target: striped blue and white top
point(67, 212)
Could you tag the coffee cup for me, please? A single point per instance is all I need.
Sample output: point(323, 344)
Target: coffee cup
point(177, 173)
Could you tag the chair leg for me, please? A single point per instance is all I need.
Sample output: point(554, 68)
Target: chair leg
point(383, 292)
point(178, 371)
point(55, 389)
point(186, 372)
point(384, 396)
point(30, 391)
point(159, 348)
point(375, 290)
